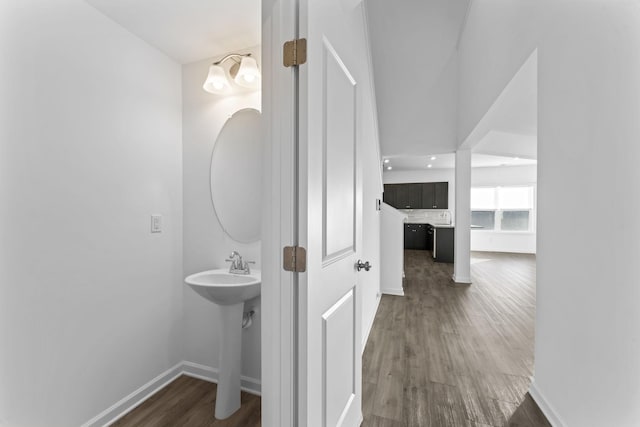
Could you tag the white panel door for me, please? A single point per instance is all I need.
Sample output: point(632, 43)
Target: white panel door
point(330, 367)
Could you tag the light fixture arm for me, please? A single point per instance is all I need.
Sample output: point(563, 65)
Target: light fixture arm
point(231, 55)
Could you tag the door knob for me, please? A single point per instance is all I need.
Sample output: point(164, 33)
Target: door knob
point(360, 265)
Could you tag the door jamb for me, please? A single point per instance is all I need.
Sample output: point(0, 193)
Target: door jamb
point(279, 226)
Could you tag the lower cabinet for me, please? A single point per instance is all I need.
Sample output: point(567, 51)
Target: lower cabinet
point(415, 236)
point(439, 240)
point(443, 244)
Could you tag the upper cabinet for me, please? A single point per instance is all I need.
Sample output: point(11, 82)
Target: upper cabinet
point(428, 195)
point(440, 198)
point(390, 194)
point(409, 196)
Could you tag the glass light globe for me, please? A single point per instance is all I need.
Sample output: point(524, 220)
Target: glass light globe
point(248, 74)
point(217, 81)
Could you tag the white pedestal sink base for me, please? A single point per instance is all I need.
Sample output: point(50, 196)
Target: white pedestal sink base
point(228, 291)
point(228, 394)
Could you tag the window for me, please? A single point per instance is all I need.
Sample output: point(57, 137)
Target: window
point(515, 221)
point(483, 198)
point(484, 219)
point(502, 208)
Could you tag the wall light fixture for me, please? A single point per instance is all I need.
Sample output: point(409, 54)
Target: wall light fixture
point(244, 72)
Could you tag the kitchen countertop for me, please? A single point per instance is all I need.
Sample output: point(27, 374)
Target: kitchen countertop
point(424, 221)
point(435, 225)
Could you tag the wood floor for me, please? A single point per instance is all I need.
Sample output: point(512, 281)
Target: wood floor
point(454, 355)
point(189, 402)
point(443, 355)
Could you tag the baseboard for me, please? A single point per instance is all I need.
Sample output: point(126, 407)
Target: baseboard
point(546, 408)
point(396, 292)
point(207, 373)
point(365, 337)
point(505, 251)
point(461, 280)
point(135, 399)
point(128, 403)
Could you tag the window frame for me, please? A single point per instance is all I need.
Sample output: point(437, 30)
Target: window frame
point(498, 212)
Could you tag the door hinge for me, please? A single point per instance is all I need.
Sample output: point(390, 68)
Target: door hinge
point(294, 258)
point(294, 52)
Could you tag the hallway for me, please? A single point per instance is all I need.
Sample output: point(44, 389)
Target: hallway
point(454, 355)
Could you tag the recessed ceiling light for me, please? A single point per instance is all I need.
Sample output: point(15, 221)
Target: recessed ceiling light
point(389, 168)
point(429, 166)
point(386, 160)
point(516, 158)
point(433, 157)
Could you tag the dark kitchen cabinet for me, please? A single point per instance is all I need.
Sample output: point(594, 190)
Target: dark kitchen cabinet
point(403, 196)
point(441, 198)
point(415, 236)
point(428, 195)
point(443, 244)
point(390, 194)
point(430, 237)
point(435, 195)
point(409, 196)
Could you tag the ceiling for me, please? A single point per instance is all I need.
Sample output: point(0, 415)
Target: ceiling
point(414, 50)
point(508, 144)
point(447, 161)
point(413, 45)
point(409, 38)
point(188, 30)
point(506, 135)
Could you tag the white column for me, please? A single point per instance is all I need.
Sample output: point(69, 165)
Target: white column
point(462, 246)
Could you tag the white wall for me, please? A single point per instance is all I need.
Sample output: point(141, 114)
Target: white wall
point(588, 323)
point(368, 138)
point(206, 245)
point(371, 217)
point(90, 301)
point(504, 176)
point(392, 250)
point(514, 37)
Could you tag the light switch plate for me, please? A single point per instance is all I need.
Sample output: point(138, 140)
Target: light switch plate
point(156, 223)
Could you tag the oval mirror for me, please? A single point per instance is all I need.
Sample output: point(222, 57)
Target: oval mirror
point(236, 176)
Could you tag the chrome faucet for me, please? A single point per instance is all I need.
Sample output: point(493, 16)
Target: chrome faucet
point(238, 266)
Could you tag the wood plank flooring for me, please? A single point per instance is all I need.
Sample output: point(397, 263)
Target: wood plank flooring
point(189, 402)
point(443, 355)
point(454, 355)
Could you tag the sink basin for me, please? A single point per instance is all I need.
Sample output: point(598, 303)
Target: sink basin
point(225, 288)
point(229, 291)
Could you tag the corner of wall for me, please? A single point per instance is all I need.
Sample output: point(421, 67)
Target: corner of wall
point(547, 409)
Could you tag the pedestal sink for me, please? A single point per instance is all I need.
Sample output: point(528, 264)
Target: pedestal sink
point(229, 291)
